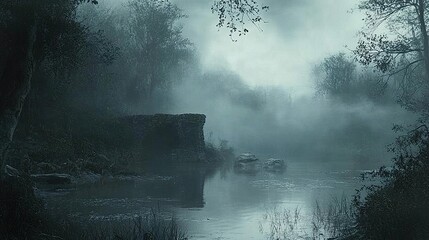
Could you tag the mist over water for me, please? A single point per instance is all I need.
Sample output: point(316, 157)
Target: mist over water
point(289, 93)
point(270, 122)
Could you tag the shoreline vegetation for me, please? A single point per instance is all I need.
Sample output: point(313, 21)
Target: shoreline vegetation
point(394, 208)
point(369, 215)
point(332, 221)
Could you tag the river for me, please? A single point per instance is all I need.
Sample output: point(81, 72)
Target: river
point(219, 204)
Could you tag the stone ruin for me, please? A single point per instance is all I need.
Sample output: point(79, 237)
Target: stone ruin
point(176, 137)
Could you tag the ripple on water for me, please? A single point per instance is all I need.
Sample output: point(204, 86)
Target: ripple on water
point(319, 185)
point(113, 217)
point(274, 184)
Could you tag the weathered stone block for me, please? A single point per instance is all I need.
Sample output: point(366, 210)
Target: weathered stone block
point(178, 137)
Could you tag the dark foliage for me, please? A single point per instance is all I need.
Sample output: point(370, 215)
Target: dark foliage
point(398, 208)
point(21, 212)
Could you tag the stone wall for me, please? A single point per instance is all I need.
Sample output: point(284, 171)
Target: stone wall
point(177, 137)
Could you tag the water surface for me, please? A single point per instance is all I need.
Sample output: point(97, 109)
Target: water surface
point(216, 205)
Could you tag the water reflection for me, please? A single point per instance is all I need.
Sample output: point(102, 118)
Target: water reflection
point(211, 204)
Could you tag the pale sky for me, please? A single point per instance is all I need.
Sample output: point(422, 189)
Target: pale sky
point(298, 34)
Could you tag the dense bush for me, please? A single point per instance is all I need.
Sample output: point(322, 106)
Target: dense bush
point(398, 209)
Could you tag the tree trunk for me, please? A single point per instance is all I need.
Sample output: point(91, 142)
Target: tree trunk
point(15, 83)
point(425, 39)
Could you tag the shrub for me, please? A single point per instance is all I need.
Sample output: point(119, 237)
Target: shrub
point(328, 222)
point(399, 207)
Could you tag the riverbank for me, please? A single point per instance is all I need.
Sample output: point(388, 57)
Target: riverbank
point(65, 178)
point(24, 216)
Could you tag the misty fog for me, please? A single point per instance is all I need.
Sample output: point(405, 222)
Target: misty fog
point(259, 93)
point(214, 119)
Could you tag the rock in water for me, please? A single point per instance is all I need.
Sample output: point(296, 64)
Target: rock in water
point(246, 163)
point(247, 157)
point(274, 165)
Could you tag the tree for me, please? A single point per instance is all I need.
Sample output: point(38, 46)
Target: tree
point(401, 52)
point(405, 21)
point(337, 74)
point(341, 77)
point(158, 44)
point(31, 31)
point(397, 209)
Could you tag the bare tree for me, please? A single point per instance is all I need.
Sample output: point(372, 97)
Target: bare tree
point(395, 40)
point(406, 37)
